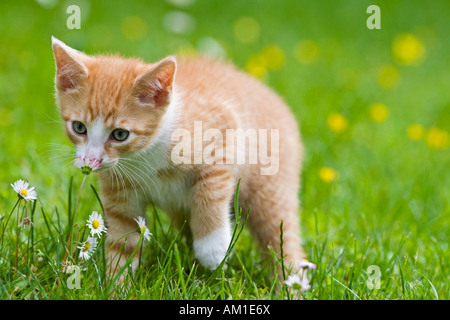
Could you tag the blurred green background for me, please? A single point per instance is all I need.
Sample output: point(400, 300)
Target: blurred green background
point(373, 105)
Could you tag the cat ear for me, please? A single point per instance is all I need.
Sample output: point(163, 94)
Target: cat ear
point(70, 69)
point(155, 85)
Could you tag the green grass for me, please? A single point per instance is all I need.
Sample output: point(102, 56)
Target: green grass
point(388, 206)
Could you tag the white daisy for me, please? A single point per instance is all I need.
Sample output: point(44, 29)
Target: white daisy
point(305, 264)
point(293, 281)
point(298, 283)
point(305, 284)
point(40, 256)
point(96, 224)
point(143, 228)
point(87, 248)
point(24, 190)
point(87, 164)
point(67, 267)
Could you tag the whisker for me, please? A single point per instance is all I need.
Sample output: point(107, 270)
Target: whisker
point(151, 178)
point(137, 176)
point(54, 146)
point(125, 194)
point(144, 163)
point(60, 159)
point(122, 181)
point(130, 178)
point(140, 177)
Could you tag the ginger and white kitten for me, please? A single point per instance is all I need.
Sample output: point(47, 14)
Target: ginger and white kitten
point(124, 112)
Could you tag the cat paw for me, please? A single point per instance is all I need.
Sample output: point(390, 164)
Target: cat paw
point(211, 250)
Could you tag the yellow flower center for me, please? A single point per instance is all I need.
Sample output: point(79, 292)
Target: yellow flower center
point(143, 228)
point(23, 192)
point(87, 245)
point(96, 224)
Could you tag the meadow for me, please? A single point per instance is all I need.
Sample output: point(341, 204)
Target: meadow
point(374, 112)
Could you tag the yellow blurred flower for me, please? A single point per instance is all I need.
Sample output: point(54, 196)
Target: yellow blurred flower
point(408, 49)
point(307, 52)
point(134, 27)
point(337, 122)
point(437, 138)
point(270, 58)
point(387, 77)
point(379, 112)
point(327, 174)
point(246, 29)
point(256, 66)
point(187, 49)
point(273, 57)
point(415, 132)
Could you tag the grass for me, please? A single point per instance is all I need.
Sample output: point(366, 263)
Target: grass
point(384, 201)
point(169, 273)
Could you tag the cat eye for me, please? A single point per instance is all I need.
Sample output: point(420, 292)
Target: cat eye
point(79, 127)
point(120, 134)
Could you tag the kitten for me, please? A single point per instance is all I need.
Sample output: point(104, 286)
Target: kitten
point(125, 113)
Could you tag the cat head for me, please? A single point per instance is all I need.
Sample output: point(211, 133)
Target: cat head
point(111, 106)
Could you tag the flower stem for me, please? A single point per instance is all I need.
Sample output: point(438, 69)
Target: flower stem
point(17, 240)
point(73, 219)
point(6, 223)
point(17, 237)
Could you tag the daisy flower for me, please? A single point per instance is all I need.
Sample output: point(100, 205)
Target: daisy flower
point(96, 224)
point(67, 267)
point(40, 256)
point(24, 190)
point(304, 283)
point(87, 248)
point(87, 164)
point(296, 282)
point(293, 281)
point(143, 228)
point(305, 264)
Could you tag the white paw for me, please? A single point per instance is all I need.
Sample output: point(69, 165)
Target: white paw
point(211, 250)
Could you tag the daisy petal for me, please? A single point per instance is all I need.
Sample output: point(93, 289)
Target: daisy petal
point(23, 190)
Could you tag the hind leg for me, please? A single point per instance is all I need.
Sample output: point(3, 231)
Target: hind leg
point(273, 206)
point(276, 225)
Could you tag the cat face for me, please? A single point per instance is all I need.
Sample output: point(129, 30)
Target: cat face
point(111, 106)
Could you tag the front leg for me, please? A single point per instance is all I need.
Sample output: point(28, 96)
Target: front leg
point(210, 216)
point(122, 236)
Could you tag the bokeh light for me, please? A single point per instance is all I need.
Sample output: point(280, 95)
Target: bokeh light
point(337, 122)
point(379, 112)
point(408, 49)
point(246, 29)
point(415, 132)
point(307, 52)
point(134, 27)
point(327, 174)
point(388, 77)
point(437, 138)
